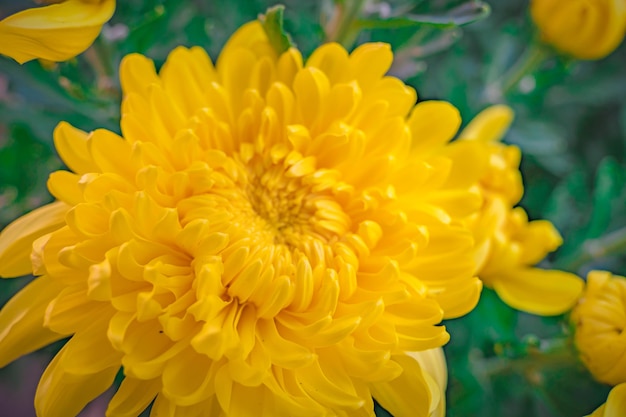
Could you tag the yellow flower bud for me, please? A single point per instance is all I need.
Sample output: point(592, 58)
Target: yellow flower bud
point(584, 29)
point(600, 319)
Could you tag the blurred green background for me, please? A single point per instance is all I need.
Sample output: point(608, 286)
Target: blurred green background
point(570, 124)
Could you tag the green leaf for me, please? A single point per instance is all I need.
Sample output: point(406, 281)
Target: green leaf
point(272, 22)
point(462, 15)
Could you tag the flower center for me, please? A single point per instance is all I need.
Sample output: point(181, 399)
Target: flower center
point(294, 200)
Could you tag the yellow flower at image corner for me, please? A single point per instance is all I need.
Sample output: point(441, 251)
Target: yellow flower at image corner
point(263, 240)
point(600, 320)
point(615, 405)
point(584, 29)
point(56, 32)
point(508, 245)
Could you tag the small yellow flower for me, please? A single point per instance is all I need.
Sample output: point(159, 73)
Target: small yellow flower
point(600, 320)
point(56, 32)
point(507, 243)
point(615, 405)
point(264, 240)
point(584, 29)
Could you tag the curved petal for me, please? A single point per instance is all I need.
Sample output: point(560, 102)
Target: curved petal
point(433, 362)
point(615, 405)
point(132, 397)
point(412, 394)
point(433, 124)
point(71, 144)
point(82, 370)
point(616, 402)
point(21, 320)
point(16, 240)
point(539, 291)
point(56, 32)
point(490, 125)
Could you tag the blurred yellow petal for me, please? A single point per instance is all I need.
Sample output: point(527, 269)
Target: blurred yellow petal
point(433, 124)
point(615, 405)
point(616, 402)
point(56, 32)
point(539, 291)
point(16, 240)
point(21, 320)
point(137, 74)
point(82, 370)
point(489, 125)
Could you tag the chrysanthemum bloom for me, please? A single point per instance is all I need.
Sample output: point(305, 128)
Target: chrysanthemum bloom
point(508, 245)
point(584, 29)
point(615, 405)
point(600, 320)
point(266, 239)
point(56, 32)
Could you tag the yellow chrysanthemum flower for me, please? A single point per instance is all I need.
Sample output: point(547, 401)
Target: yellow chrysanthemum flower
point(584, 29)
point(615, 405)
point(600, 320)
point(507, 244)
point(264, 240)
point(56, 32)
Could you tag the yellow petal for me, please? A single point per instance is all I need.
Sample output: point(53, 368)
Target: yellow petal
point(164, 407)
point(433, 124)
point(56, 32)
point(21, 320)
point(250, 36)
point(137, 74)
point(615, 405)
point(616, 402)
point(71, 144)
point(16, 240)
point(433, 362)
point(370, 62)
point(132, 397)
point(539, 291)
point(82, 370)
point(65, 186)
point(409, 395)
point(332, 60)
point(490, 125)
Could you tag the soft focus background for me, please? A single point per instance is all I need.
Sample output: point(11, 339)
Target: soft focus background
point(570, 124)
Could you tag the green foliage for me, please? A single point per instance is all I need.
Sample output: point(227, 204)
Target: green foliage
point(570, 124)
point(466, 13)
point(273, 25)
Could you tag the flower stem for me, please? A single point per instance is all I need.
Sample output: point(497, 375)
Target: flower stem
point(342, 28)
point(98, 57)
point(527, 63)
point(531, 366)
point(592, 249)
